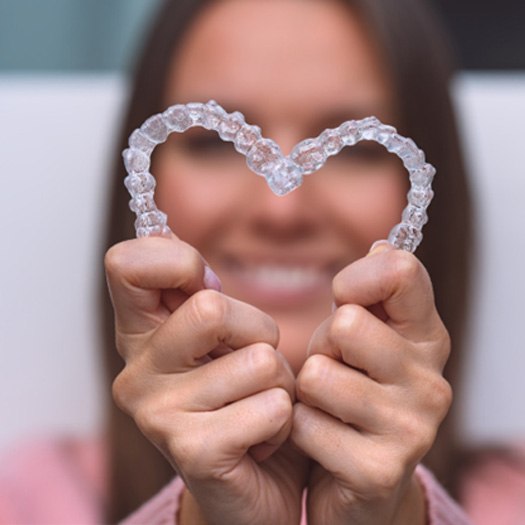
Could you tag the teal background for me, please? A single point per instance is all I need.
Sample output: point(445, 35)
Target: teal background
point(71, 35)
point(102, 35)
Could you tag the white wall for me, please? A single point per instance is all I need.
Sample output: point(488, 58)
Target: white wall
point(55, 137)
point(492, 108)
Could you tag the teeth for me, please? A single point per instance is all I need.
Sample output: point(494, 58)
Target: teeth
point(284, 276)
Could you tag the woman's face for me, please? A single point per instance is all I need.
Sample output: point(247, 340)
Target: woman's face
point(293, 67)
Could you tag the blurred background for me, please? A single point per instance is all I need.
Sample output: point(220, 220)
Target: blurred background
point(63, 70)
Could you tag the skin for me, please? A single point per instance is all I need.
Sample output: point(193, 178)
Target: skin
point(262, 389)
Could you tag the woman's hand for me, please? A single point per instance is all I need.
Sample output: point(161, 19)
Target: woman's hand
point(371, 393)
point(204, 383)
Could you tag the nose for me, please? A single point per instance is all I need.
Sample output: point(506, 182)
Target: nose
point(293, 216)
point(286, 218)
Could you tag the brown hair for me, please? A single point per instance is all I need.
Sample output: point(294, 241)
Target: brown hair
point(418, 59)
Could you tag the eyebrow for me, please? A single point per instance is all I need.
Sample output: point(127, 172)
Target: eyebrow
point(333, 117)
point(318, 119)
point(251, 116)
point(335, 114)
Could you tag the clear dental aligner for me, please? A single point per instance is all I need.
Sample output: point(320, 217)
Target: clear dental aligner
point(264, 157)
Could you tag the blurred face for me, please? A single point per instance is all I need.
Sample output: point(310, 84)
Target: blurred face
point(293, 67)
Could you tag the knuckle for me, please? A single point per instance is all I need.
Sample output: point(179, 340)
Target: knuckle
point(418, 437)
point(154, 418)
point(125, 345)
point(383, 476)
point(390, 475)
point(149, 404)
point(339, 285)
point(345, 322)
point(313, 373)
point(264, 361)
point(121, 390)
point(444, 343)
point(282, 408)
point(208, 309)
point(441, 396)
point(419, 429)
point(435, 394)
point(116, 258)
point(405, 267)
point(271, 329)
point(146, 418)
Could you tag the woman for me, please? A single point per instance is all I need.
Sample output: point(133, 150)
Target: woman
point(294, 68)
point(280, 256)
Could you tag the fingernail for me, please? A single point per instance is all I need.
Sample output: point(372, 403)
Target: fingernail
point(380, 246)
point(210, 280)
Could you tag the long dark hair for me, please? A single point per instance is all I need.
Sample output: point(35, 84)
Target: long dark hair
point(420, 68)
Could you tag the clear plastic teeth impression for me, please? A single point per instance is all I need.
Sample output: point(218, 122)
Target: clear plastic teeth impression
point(265, 158)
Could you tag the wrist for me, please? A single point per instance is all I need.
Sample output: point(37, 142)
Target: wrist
point(412, 508)
point(189, 512)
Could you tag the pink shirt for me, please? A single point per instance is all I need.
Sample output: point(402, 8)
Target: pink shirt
point(162, 509)
point(53, 482)
point(62, 482)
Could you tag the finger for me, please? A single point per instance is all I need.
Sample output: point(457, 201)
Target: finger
point(363, 468)
point(355, 336)
point(325, 439)
point(173, 298)
point(208, 320)
point(262, 451)
point(400, 283)
point(137, 272)
point(265, 417)
point(217, 440)
point(234, 376)
point(344, 393)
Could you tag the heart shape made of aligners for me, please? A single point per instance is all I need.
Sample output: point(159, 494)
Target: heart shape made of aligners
point(264, 157)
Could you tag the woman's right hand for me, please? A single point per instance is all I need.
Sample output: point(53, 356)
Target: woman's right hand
point(204, 383)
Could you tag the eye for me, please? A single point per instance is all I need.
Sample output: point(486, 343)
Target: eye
point(366, 152)
point(203, 143)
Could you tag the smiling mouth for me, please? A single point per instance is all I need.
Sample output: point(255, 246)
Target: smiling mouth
point(270, 282)
point(284, 277)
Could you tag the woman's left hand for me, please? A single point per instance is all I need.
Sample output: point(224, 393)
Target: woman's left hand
point(371, 394)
